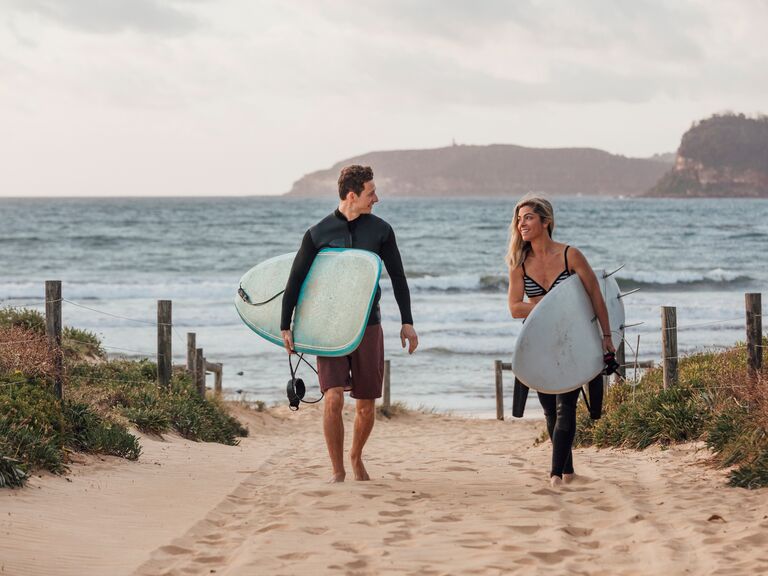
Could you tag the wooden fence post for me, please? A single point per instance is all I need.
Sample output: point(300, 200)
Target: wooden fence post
point(219, 377)
point(191, 347)
point(200, 372)
point(385, 400)
point(164, 341)
point(499, 390)
point(53, 333)
point(669, 345)
point(754, 333)
point(218, 370)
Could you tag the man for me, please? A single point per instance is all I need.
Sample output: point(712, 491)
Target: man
point(352, 226)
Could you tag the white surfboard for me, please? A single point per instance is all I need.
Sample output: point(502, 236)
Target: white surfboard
point(559, 347)
point(334, 302)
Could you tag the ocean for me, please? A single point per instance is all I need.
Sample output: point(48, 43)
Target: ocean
point(118, 256)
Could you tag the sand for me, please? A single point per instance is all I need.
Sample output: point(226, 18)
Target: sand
point(447, 496)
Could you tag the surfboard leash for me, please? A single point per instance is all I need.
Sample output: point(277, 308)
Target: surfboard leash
point(247, 299)
point(296, 388)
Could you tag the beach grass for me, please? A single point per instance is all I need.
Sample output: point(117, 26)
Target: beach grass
point(716, 401)
point(103, 400)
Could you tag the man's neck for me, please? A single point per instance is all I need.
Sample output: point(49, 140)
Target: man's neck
point(349, 213)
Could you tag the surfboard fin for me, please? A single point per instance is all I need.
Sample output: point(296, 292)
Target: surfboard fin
point(620, 296)
point(614, 272)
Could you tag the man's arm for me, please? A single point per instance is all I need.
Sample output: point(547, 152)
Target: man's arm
point(299, 270)
point(390, 255)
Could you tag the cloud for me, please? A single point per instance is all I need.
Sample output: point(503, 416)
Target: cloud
point(111, 16)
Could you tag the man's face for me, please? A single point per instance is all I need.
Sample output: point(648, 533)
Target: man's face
point(367, 198)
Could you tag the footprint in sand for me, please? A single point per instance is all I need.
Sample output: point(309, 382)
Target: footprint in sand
point(370, 496)
point(270, 527)
point(398, 536)
point(364, 522)
point(396, 514)
point(546, 492)
point(525, 528)
point(553, 557)
point(346, 547)
point(175, 550)
point(548, 508)
point(576, 531)
point(295, 556)
point(448, 518)
point(317, 493)
point(476, 546)
point(210, 559)
point(315, 530)
point(305, 475)
point(459, 469)
point(337, 508)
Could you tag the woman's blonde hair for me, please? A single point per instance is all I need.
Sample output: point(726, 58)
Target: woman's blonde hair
point(518, 248)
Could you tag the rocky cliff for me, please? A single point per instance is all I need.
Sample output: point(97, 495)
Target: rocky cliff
point(725, 155)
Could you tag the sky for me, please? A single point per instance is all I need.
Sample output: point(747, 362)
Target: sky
point(243, 97)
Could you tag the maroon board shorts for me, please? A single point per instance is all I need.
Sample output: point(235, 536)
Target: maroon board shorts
point(361, 372)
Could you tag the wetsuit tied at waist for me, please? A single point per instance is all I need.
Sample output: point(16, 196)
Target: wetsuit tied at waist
point(366, 232)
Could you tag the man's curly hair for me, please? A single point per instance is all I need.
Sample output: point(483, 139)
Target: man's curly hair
point(353, 179)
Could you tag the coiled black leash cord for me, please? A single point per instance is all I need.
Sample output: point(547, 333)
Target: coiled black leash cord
point(296, 389)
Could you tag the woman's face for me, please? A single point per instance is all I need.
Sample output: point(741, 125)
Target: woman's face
point(529, 224)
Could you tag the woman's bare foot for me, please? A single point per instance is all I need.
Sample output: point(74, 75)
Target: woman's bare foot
point(555, 481)
point(338, 477)
point(568, 478)
point(361, 474)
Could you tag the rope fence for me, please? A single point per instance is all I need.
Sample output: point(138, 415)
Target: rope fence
point(197, 365)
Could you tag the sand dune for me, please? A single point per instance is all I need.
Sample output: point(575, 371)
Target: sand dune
point(447, 496)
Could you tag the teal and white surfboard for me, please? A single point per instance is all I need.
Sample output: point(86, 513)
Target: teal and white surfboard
point(334, 302)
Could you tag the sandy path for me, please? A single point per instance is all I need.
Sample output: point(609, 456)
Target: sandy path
point(448, 496)
point(453, 496)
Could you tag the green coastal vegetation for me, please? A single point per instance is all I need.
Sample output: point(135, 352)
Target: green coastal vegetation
point(716, 401)
point(103, 401)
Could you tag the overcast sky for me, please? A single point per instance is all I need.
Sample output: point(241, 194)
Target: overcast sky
point(234, 97)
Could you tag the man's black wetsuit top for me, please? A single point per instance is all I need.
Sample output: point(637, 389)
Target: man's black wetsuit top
point(366, 232)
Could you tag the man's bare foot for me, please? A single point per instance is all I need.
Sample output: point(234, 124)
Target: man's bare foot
point(361, 474)
point(555, 481)
point(568, 478)
point(337, 478)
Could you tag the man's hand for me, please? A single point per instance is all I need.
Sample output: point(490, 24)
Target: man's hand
point(408, 333)
point(608, 344)
point(288, 341)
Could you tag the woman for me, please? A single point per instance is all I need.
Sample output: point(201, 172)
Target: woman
point(536, 265)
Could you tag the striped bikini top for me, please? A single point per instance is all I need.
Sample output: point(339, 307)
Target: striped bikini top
point(534, 289)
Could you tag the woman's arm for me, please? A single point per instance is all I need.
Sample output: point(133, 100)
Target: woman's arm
point(517, 307)
point(580, 265)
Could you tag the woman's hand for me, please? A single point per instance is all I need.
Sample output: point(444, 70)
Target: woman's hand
point(608, 344)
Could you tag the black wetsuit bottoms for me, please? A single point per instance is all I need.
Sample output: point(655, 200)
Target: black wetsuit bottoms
point(560, 412)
